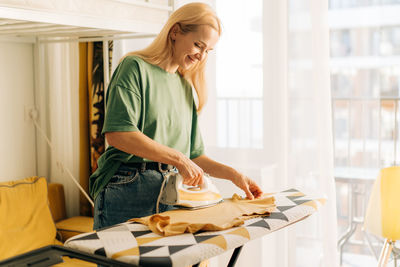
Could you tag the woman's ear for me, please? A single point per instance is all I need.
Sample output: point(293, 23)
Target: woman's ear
point(174, 31)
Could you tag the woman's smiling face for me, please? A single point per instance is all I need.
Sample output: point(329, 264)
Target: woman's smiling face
point(192, 47)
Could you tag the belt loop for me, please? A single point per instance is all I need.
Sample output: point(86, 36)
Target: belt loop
point(143, 167)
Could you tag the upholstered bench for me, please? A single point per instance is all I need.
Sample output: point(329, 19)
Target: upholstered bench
point(66, 227)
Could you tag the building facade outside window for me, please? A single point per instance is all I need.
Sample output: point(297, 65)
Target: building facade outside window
point(365, 86)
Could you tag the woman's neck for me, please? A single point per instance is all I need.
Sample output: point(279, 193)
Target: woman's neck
point(168, 66)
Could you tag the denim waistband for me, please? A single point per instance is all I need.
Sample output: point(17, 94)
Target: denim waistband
point(142, 166)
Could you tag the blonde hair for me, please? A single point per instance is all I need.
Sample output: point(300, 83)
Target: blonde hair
point(188, 17)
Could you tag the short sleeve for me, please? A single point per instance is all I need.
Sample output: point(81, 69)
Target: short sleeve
point(196, 146)
point(124, 101)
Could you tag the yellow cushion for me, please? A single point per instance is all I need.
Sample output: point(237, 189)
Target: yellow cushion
point(57, 201)
point(25, 218)
point(74, 226)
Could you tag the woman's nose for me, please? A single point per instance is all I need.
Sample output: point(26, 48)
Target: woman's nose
point(200, 55)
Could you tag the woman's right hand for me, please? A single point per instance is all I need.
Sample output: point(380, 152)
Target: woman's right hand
point(191, 173)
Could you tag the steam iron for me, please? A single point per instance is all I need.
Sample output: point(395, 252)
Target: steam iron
point(189, 197)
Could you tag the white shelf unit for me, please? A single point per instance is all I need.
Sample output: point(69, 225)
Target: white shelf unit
point(48, 20)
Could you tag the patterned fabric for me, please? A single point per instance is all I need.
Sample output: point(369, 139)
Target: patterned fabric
point(96, 101)
point(91, 113)
point(134, 243)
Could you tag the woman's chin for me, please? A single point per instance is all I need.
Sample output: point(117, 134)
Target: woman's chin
point(187, 65)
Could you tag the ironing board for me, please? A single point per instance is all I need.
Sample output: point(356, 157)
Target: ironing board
point(135, 244)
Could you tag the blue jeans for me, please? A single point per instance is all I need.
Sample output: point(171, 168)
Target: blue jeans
point(129, 194)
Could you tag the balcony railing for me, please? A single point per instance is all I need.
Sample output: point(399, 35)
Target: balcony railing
point(366, 131)
point(240, 122)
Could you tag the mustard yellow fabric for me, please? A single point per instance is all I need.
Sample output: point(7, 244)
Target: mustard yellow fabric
point(230, 213)
point(84, 157)
point(25, 219)
point(74, 226)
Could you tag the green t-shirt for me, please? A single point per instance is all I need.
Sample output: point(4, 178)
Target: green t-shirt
point(144, 97)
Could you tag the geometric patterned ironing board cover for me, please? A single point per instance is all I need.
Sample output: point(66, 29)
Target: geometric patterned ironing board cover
point(134, 243)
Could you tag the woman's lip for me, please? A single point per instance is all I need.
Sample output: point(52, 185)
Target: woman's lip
point(191, 59)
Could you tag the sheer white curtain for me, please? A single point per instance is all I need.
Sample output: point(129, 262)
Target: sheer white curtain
point(298, 106)
point(297, 144)
point(57, 98)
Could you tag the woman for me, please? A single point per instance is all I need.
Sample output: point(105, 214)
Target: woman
point(151, 117)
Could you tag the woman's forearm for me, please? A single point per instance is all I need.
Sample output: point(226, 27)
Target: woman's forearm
point(215, 168)
point(220, 170)
point(140, 145)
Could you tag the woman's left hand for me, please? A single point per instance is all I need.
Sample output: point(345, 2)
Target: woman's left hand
point(250, 187)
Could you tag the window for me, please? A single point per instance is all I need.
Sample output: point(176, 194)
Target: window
point(365, 84)
point(239, 79)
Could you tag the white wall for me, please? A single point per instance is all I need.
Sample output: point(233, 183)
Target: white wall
point(17, 135)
